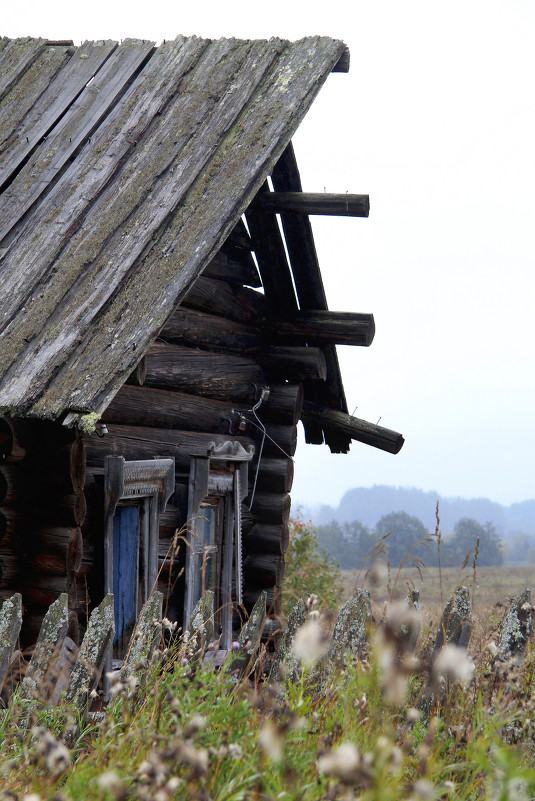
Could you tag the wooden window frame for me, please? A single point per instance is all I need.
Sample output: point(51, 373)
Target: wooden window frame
point(221, 475)
point(150, 483)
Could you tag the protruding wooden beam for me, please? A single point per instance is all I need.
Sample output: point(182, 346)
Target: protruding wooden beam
point(360, 430)
point(322, 327)
point(316, 203)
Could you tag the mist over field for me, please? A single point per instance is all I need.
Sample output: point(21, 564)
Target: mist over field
point(369, 504)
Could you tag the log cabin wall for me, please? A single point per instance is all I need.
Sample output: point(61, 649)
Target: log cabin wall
point(42, 511)
point(199, 381)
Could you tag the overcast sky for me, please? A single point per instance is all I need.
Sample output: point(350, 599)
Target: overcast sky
point(436, 122)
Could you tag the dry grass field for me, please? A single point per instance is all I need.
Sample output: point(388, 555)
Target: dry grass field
point(492, 588)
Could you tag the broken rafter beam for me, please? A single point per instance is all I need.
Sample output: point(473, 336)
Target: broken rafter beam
point(322, 327)
point(360, 430)
point(316, 203)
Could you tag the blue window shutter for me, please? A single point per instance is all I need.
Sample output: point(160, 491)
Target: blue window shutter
point(125, 567)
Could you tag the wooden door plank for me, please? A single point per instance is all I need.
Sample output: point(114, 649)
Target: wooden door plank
point(21, 101)
point(15, 58)
point(76, 126)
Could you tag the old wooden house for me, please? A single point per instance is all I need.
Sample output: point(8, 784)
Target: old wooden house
point(163, 323)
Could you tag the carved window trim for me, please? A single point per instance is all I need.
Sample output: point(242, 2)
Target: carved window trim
point(150, 481)
point(220, 474)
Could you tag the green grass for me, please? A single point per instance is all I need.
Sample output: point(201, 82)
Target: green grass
point(191, 733)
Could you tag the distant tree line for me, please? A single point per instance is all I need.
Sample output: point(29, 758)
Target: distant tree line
point(402, 538)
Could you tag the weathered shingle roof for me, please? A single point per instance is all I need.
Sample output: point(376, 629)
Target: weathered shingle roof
point(123, 168)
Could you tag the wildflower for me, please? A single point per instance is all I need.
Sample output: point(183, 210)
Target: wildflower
point(235, 751)
point(424, 789)
point(112, 782)
point(309, 643)
point(196, 723)
point(311, 600)
point(271, 741)
point(344, 763)
point(453, 664)
point(235, 645)
point(412, 715)
point(168, 626)
point(184, 661)
point(58, 760)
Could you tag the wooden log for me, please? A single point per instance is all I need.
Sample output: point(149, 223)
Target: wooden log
point(267, 538)
point(274, 475)
point(10, 520)
point(232, 301)
point(168, 409)
point(9, 567)
point(197, 329)
point(60, 468)
point(239, 237)
point(281, 441)
point(13, 487)
point(250, 597)
point(59, 510)
point(213, 375)
point(271, 508)
point(16, 439)
point(135, 442)
point(294, 363)
point(284, 404)
point(360, 430)
point(324, 327)
point(55, 550)
point(334, 205)
point(263, 570)
point(234, 264)
point(137, 377)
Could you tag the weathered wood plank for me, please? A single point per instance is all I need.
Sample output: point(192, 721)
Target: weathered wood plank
point(186, 134)
point(10, 623)
point(111, 76)
point(378, 437)
point(277, 113)
point(334, 205)
point(20, 103)
point(271, 256)
point(91, 657)
point(37, 682)
point(15, 58)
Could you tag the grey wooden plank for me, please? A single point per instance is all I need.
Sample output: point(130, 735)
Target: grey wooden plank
point(183, 137)
point(198, 226)
point(15, 58)
point(22, 98)
point(73, 129)
point(47, 108)
point(64, 208)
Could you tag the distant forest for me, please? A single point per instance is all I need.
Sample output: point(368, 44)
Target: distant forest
point(364, 515)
